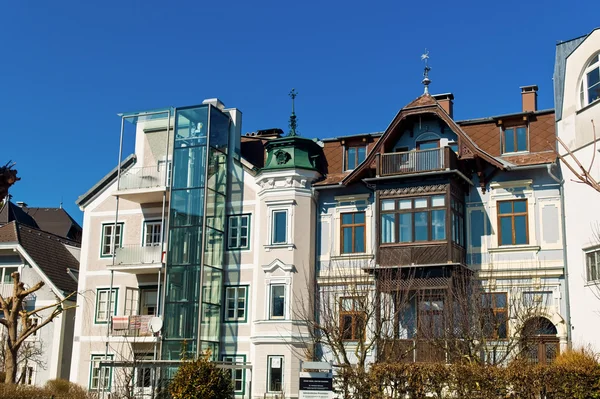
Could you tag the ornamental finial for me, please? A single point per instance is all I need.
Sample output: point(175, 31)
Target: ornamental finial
point(293, 121)
point(426, 81)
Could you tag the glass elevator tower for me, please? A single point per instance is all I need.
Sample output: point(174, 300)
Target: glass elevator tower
point(194, 272)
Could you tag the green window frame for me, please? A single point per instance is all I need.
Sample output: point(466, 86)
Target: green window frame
point(238, 232)
point(238, 376)
point(97, 372)
point(105, 243)
point(236, 303)
point(6, 273)
point(99, 318)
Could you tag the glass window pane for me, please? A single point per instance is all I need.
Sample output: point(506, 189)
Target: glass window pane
point(520, 230)
point(421, 226)
point(347, 218)
point(351, 158)
point(187, 207)
point(280, 227)
point(509, 140)
point(438, 200)
point(359, 239)
point(501, 323)
point(420, 202)
point(388, 205)
point(505, 207)
point(521, 139)
point(388, 228)
point(506, 232)
point(347, 244)
point(405, 204)
point(277, 301)
point(438, 224)
point(405, 227)
point(359, 217)
point(500, 301)
point(520, 206)
point(362, 154)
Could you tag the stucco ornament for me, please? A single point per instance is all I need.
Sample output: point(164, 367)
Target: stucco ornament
point(282, 157)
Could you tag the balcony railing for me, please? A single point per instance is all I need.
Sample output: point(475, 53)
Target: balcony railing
point(6, 290)
point(401, 163)
point(144, 177)
point(138, 255)
point(132, 326)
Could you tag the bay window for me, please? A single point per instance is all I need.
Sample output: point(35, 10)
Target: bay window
point(417, 219)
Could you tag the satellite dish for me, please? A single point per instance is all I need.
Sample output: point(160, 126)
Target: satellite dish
point(155, 324)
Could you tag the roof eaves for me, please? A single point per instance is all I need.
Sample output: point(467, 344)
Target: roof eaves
point(496, 117)
point(105, 181)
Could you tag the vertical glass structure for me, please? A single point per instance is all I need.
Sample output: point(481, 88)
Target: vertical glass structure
point(192, 317)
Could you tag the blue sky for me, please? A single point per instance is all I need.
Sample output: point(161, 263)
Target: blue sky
point(68, 68)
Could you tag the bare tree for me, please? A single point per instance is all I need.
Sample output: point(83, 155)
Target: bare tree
point(582, 173)
point(8, 177)
point(19, 322)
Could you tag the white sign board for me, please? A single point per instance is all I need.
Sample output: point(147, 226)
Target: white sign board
point(316, 385)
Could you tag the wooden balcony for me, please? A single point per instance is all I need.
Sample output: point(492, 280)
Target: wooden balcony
point(414, 162)
point(418, 254)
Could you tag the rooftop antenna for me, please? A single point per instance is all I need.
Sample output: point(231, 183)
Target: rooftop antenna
point(61, 202)
point(426, 81)
point(293, 121)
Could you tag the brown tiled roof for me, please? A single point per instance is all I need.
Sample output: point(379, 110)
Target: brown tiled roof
point(424, 99)
point(542, 133)
point(486, 135)
point(56, 221)
point(333, 154)
point(47, 250)
point(532, 159)
point(332, 178)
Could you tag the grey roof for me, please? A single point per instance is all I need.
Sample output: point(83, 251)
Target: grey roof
point(12, 212)
point(56, 221)
point(105, 181)
point(563, 51)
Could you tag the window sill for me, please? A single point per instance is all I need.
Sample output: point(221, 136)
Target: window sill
point(515, 248)
point(289, 247)
point(352, 256)
point(590, 105)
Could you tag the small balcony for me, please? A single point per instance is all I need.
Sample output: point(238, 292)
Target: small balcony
point(138, 259)
point(414, 162)
point(144, 184)
point(131, 326)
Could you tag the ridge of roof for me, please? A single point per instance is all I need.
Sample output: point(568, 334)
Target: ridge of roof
point(496, 117)
point(105, 181)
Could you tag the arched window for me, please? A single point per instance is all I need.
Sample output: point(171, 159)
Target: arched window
point(539, 342)
point(589, 88)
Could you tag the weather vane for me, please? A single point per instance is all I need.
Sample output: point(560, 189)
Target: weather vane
point(426, 81)
point(293, 121)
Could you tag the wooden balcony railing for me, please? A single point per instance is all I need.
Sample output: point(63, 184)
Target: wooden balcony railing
point(402, 163)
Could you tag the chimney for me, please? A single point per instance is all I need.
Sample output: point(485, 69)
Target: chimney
point(446, 101)
point(529, 98)
point(21, 204)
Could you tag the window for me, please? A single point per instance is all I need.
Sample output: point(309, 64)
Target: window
point(458, 226)
point(353, 232)
point(512, 222)
point(495, 315)
point(152, 236)
point(590, 83)
point(413, 219)
point(35, 321)
point(277, 301)
point(29, 376)
point(279, 228)
point(355, 156)
point(453, 146)
point(514, 139)
point(148, 301)
point(142, 373)
point(6, 274)
point(107, 236)
point(592, 260)
point(238, 232)
point(131, 301)
point(235, 303)
point(275, 373)
point(100, 378)
point(102, 304)
point(428, 144)
point(431, 314)
point(238, 376)
point(352, 318)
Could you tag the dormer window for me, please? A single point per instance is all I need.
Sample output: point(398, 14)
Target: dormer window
point(514, 139)
point(589, 90)
point(354, 156)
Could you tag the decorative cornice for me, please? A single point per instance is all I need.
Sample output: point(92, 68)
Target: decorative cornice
point(393, 192)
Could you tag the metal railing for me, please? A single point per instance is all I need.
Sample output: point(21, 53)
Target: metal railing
point(138, 255)
point(135, 326)
point(144, 177)
point(399, 163)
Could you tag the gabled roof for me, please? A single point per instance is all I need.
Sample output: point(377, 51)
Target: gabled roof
point(105, 181)
point(48, 251)
point(425, 104)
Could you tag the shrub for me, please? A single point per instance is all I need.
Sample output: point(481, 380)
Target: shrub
point(65, 388)
point(60, 389)
point(201, 379)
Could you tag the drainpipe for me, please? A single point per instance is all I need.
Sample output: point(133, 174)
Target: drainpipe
point(565, 260)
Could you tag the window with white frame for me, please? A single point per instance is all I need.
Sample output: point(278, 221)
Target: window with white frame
point(279, 228)
point(235, 303)
point(35, 321)
point(131, 301)
point(152, 233)
point(110, 232)
point(238, 232)
point(102, 305)
point(589, 89)
point(275, 373)
point(100, 377)
point(6, 274)
point(238, 375)
point(277, 301)
point(592, 260)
